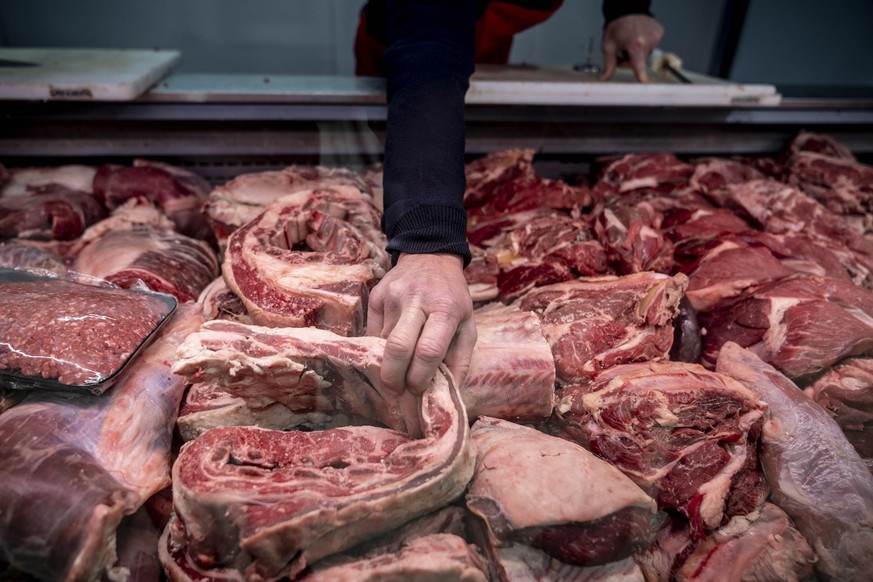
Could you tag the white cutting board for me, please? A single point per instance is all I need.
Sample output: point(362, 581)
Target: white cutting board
point(82, 74)
point(541, 85)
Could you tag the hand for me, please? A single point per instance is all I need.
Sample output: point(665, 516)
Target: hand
point(423, 308)
point(636, 35)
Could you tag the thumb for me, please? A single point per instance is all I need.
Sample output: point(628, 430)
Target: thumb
point(638, 64)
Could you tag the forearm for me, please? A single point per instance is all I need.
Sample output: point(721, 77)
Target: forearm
point(429, 61)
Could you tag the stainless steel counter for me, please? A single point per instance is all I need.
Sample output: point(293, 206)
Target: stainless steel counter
point(267, 121)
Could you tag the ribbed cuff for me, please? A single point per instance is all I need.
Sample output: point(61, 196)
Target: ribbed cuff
point(430, 229)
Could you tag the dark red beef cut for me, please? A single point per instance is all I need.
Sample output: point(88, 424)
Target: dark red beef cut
point(166, 262)
point(803, 254)
point(843, 186)
point(722, 261)
point(688, 437)
point(599, 322)
point(586, 512)
point(712, 174)
point(72, 333)
point(180, 194)
point(728, 265)
point(310, 259)
point(74, 465)
point(690, 227)
point(543, 251)
point(661, 172)
point(52, 212)
point(268, 503)
point(801, 324)
point(728, 269)
point(506, 182)
point(782, 209)
point(814, 473)
point(846, 391)
point(633, 239)
point(763, 545)
point(535, 248)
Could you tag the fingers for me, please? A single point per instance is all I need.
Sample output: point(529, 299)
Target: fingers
point(635, 36)
point(610, 60)
point(433, 344)
point(375, 315)
point(637, 55)
point(460, 352)
point(400, 348)
point(418, 308)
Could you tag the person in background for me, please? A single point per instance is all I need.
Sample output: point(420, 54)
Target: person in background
point(426, 49)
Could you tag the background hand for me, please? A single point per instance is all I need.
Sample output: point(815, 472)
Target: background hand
point(635, 35)
point(423, 308)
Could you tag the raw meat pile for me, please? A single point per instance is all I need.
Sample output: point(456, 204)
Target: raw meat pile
point(140, 226)
point(673, 379)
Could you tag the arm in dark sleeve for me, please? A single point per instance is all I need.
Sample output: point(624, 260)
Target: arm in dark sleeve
point(429, 61)
point(614, 9)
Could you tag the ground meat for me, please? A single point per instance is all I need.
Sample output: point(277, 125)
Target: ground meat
point(72, 333)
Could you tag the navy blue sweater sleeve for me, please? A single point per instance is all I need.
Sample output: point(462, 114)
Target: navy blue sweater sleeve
point(613, 9)
point(429, 61)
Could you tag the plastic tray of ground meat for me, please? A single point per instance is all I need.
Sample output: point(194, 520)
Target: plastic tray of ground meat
point(61, 335)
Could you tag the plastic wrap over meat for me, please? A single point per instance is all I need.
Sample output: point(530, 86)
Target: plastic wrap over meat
point(59, 334)
point(52, 212)
point(180, 194)
point(27, 257)
point(164, 261)
point(75, 465)
point(814, 473)
point(846, 391)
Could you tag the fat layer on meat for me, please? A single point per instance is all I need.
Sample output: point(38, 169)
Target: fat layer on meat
point(815, 475)
point(268, 503)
